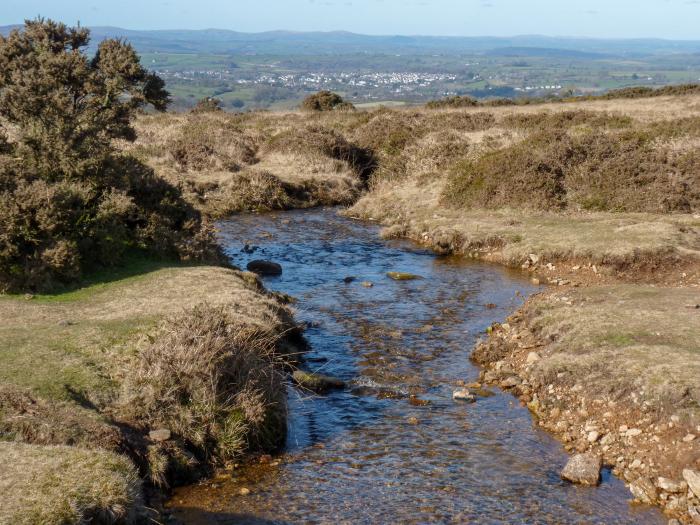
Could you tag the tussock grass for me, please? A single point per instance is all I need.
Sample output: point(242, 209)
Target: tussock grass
point(53, 484)
point(94, 346)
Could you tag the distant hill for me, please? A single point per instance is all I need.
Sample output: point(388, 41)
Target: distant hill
point(219, 41)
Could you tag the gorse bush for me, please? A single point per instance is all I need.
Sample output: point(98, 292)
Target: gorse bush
point(452, 102)
point(68, 200)
point(554, 170)
point(325, 101)
point(208, 105)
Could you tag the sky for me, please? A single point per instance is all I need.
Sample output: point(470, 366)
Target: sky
point(673, 19)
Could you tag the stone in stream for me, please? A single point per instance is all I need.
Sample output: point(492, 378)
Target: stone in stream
point(367, 284)
point(317, 382)
point(464, 395)
point(264, 267)
point(583, 469)
point(402, 276)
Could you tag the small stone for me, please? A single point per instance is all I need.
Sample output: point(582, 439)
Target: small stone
point(583, 469)
point(348, 279)
point(534, 258)
point(162, 434)
point(244, 491)
point(633, 432)
point(593, 436)
point(463, 395)
point(535, 281)
point(692, 478)
point(532, 357)
point(413, 421)
point(367, 284)
point(636, 464)
point(688, 438)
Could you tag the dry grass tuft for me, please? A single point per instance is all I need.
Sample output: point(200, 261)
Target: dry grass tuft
point(209, 143)
point(215, 382)
point(67, 485)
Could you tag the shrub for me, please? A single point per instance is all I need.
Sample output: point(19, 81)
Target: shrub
point(68, 201)
point(529, 174)
point(551, 170)
point(208, 105)
point(325, 101)
point(453, 102)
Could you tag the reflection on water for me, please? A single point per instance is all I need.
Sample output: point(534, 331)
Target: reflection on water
point(394, 447)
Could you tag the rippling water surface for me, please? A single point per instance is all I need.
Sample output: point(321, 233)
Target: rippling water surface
point(358, 456)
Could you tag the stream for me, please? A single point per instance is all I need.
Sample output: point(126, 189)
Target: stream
point(393, 447)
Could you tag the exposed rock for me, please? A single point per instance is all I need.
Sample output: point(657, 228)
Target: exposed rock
point(583, 469)
point(402, 276)
point(317, 382)
point(593, 436)
point(532, 357)
point(633, 432)
point(692, 478)
point(348, 279)
point(643, 491)
point(670, 485)
point(244, 491)
point(162, 434)
point(264, 267)
point(367, 284)
point(688, 438)
point(510, 382)
point(413, 420)
point(463, 395)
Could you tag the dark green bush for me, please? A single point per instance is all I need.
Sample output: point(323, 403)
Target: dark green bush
point(453, 102)
point(325, 101)
point(208, 105)
point(68, 201)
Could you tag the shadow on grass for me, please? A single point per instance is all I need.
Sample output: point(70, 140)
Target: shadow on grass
point(134, 265)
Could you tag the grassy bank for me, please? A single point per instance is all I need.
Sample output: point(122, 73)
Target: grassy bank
point(196, 351)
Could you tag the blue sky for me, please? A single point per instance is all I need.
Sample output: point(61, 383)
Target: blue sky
point(598, 18)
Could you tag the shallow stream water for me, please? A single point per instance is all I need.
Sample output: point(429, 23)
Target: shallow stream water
point(372, 453)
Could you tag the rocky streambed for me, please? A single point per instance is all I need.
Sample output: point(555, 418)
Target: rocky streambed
point(396, 442)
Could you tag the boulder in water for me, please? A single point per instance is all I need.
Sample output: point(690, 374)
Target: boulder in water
point(583, 469)
point(264, 267)
point(402, 276)
point(317, 382)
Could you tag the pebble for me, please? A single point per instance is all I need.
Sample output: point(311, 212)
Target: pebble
point(633, 432)
point(593, 436)
point(532, 357)
point(367, 284)
point(463, 395)
point(688, 438)
point(244, 491)
point(413, 421)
